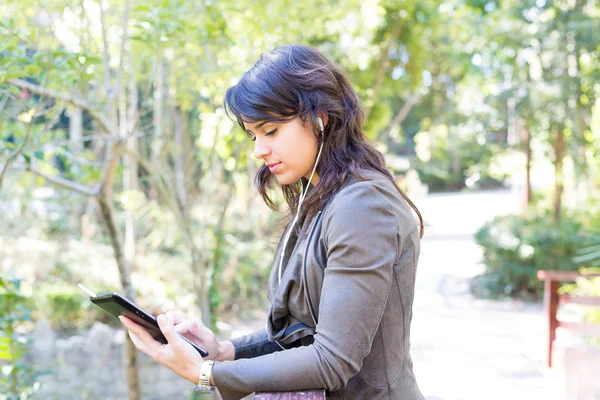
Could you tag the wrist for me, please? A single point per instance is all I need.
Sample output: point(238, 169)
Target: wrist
point(194, 372)
point(205, 381)
point(226, 351)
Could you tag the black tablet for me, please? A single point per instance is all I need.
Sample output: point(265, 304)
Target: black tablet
point(116, 305)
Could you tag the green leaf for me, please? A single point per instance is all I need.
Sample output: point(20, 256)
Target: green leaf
point(5, 355)
point(33, 69)
point(14, 90)
point(39, 154)
point(587, 257)
point(588, 249)
point(142, 9)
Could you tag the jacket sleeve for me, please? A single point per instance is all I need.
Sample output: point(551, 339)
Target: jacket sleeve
point(362, 241)
point(254, 345)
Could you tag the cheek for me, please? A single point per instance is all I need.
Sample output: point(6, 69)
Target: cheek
point(311, 150)
point(298, 150)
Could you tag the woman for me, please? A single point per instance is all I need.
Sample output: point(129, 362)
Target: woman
point(342, 284)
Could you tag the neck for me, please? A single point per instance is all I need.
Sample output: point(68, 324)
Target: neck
point(314, 181)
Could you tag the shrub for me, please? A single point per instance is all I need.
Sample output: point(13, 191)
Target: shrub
point(453, 158)
point(17, 379)
point(516, 247)
point(68, 308)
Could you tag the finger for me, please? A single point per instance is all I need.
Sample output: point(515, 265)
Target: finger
point(176, 317)
point(127, 322)
point(137, 342)
point(199, 329)
point(151, 345)
point(168, 329)
point(183, 327)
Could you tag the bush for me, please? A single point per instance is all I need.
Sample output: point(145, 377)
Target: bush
point(17, 379)
point(516, 247)
point(453, 157)
point(68, 309)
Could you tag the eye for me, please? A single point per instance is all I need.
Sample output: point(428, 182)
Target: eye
point(271, 132)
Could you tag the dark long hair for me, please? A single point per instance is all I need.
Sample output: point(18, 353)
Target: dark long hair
point(297, 81)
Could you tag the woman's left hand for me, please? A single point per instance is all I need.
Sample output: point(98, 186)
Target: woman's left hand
point(177, 355)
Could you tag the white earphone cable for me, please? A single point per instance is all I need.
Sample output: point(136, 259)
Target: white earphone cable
point(289, 232)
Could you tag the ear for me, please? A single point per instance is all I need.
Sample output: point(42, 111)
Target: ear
point(325, 118)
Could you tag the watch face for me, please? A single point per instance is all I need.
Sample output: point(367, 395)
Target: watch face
point(204, 389)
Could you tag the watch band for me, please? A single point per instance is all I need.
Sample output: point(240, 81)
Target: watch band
point(204, 385)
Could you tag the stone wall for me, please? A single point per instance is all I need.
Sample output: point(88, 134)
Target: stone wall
point(92, 366)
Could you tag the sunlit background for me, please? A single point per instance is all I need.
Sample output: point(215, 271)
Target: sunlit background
point(119, 169)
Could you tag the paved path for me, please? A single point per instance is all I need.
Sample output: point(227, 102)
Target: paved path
point(463, 348)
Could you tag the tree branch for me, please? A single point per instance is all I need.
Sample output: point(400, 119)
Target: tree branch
point(400, 116)
point(71, 155)
point(65, 184)
point(15, 153)
point(171, 200)
point(105, 55)
point(11, 157)
point(101, 119)
point(109, 167)
point(19, 150)
point(3, 103)
point(124, 25)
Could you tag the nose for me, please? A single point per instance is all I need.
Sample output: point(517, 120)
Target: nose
point(261, 150)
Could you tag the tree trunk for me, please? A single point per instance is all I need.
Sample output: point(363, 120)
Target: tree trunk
point(216, 269)
point(112, 230)
point(75, 134)
point(105, 198)
point(105, 201)
point(75, 127)
point(130, 181)
point(179, 156)
point(559, 151)
point(527, 142)
point(199, 265)
point(200, 271)
point(158, 118)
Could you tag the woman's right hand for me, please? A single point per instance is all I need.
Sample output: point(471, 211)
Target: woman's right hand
point(195, 331)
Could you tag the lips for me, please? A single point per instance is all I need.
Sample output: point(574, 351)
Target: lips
point(273, 167)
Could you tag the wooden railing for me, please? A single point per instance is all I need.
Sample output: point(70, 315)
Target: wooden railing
point(552, 300)
point(301, 395)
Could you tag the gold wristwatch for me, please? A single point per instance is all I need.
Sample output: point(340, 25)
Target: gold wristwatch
point(203, 385)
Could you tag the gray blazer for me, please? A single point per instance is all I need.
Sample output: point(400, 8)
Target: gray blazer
point(345, 299)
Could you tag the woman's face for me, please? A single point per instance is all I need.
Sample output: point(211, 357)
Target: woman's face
point(289, 149)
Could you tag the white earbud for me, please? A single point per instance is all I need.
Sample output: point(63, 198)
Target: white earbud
point(320, 121)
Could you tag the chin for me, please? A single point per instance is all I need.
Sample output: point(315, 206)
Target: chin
point(286, 180)
point(283, 181)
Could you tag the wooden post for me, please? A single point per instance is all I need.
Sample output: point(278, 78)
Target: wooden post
point(551, 308)
point(552, 300)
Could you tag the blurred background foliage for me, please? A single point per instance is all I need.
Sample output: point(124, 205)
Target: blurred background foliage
point(112, 111)
point(18, 379)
